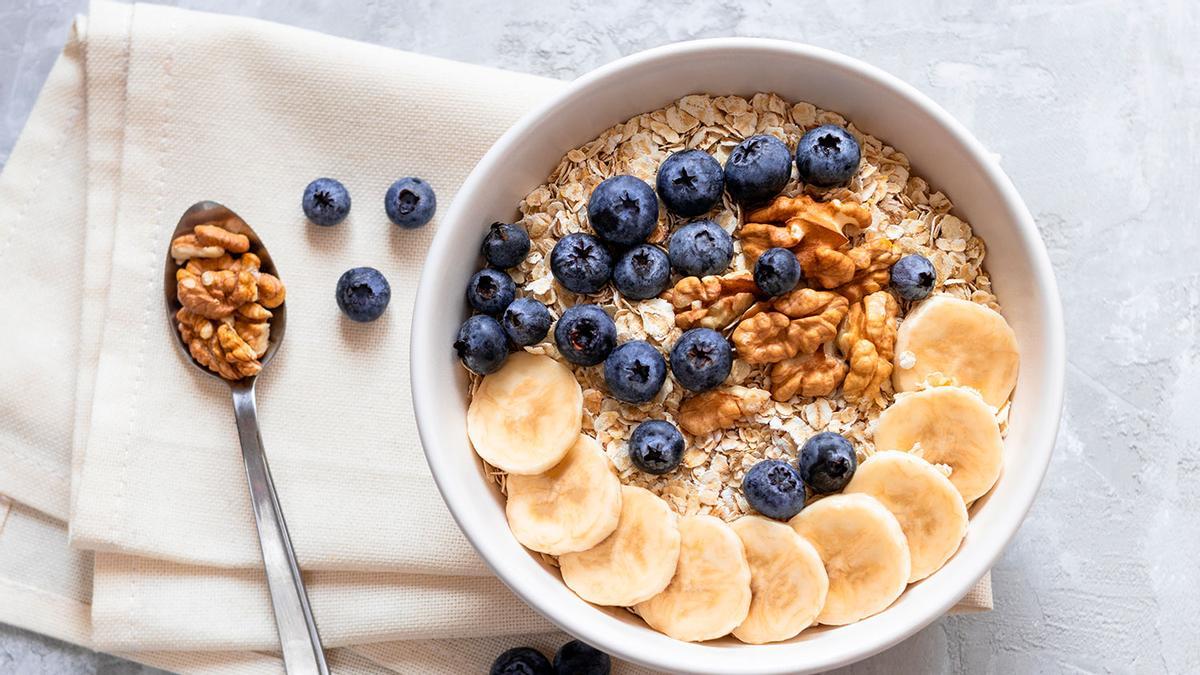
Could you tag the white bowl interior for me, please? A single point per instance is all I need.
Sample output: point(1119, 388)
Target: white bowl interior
point(940, 151)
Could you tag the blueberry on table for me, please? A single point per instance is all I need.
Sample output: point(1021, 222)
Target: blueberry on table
point(634, 372)
point(913, 277)
point(581, 263)
point(773, 488)
point(701, 359)
point(481, 344)
point(521, 661)
point(526, 321)
point(777, 271)
point(623, 210)
point(757, 169)
point(410, 202)
point(578, 658)
point(700, 249)
point(642, 272)
point(326, 202)
point(827, 462)
point(505, 245)
point(690, 182)
point(491, 291)
point(585, 335)
point(656, 447)
point(363, 293)
point(827, 156)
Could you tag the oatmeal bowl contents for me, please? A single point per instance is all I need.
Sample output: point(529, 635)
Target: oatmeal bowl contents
point(744, 402)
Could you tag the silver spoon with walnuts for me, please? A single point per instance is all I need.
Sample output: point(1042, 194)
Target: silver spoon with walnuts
point(226, 305)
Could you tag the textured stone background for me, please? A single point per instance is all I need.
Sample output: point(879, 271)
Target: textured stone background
point(1087, 103)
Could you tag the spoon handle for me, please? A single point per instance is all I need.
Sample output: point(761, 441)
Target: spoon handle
point(298, 638)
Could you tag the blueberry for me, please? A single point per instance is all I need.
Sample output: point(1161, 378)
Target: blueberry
point(690, 182)
point(585, 335)
point(827, 156)
point(827, 462)
point(577, 658)
point(623, 210)
point(700, 248)
point(505, 245)
point(526, 321)
point(490, 291)
point(757, 169)
point(642, 272)
point(913, 277)
point(656, 447)
point(326, 201)
point(701, 359)
point(777, 271)
point(773, 488)
point(634, 372)
point(521, 661)
point(481, 344)
point(363, 293)
point(581, 263)
point(410, 202)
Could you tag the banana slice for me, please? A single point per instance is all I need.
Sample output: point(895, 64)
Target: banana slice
point(525, 416)
point(953, 426)
point(572, 507)
point(928, 506)
point(787, 581)
point(710, 593)
point(635, 562)
point(960, 339)
point(864, 551)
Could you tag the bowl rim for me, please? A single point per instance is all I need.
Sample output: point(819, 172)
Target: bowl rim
point(430, 300)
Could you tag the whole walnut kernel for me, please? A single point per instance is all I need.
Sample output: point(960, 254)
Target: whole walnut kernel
point(711, 302)
point(705, 413)
point(816, 374)
point(868, 341)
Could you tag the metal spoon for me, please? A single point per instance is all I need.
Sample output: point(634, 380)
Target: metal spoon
point(298, 638)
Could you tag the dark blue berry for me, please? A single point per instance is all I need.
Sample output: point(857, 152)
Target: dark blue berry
point(577, 658)
point(410, 202)
point(490, 291)
point(701, 359)
point(773, 488)
point(326, 201)
point(585, 335)
point(581, 263)
point(757, 169)
point(700, 248)
point(690, 182)
point(505, 245)
point(827, 462)
point(827, 156)
point(363, 293)
point(913, 277)
point(642, 272)
point(526, 321)
point(481, 344)
point(777, 271)
point(521, 661)
point(623, 210)
point(634, 372)
point(656, 447)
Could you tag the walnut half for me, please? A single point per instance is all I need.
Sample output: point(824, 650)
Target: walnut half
point(805, 320)
point(817, 374)
point(707, 412)
point(711, 302)
point(868, 341)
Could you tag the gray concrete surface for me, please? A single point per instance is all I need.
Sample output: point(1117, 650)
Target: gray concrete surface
point(1088, 104)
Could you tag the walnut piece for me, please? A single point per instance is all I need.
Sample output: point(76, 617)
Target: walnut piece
point(872, 269)
point(814, 230)
point(767, 337)
point(187, 246)
point(721, 409)
point(817, 312)
point(215, 295)
point(711, 302)
point(817, 374)
point(868, 341)
point(805, 320)
point(213, 235)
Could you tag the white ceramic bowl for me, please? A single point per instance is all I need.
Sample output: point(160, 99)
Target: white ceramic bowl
point(941, 151)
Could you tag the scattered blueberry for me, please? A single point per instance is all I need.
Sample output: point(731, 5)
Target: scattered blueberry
point(656, 447)
point(505, 245)
point(581, 263)
point(623, 210)
point(585, 335)
point(700, 248)
point(481, 344)
point(577, 658)
point(757, 169)
point(634, 372)
point(701, 359)
point(521, 661)
point(642, 272)
point(913, 277)
point(827, 462)
point(326, 202)
point(526, 321)
point(490, 291)
point(777, 271)
point(363, 293)
point(827, 156)
point(773, 488)
point(690, 182)
point(410, 202)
